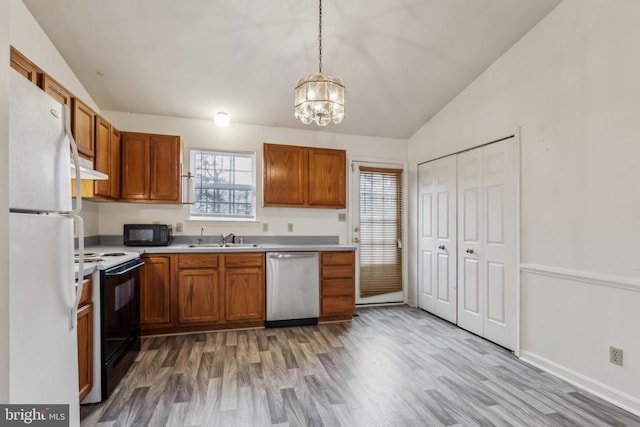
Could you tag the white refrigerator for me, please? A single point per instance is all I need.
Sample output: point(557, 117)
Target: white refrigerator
point(43, 299)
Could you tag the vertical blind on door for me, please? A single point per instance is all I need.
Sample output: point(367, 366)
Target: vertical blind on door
point(380, 231)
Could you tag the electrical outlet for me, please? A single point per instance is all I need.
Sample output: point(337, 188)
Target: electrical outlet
point(290, 227)
point(265, 227)
point(615, 356)
point(178, 227)
point(342, 217)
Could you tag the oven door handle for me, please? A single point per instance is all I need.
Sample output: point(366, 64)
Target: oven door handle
point(120, 273)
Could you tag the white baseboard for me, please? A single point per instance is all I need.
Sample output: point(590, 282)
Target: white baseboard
point(603, 391)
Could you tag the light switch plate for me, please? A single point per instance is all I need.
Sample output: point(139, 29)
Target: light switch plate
point(265, 227)
point(290, 227)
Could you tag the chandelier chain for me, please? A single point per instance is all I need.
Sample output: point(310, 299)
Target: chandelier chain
point(320, 38)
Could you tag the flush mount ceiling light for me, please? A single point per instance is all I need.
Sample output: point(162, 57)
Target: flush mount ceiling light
point(319, 98)
point(221, 119)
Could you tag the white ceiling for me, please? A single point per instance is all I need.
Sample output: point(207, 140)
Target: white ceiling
point(401, 60)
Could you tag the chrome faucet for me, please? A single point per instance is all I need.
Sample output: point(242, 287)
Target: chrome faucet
point(227, 239)
point(201, 239)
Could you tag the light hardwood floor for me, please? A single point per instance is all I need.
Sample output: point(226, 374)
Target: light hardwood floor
point(391, 366)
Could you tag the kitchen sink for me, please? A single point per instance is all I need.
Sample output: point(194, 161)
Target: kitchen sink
point(220, 245)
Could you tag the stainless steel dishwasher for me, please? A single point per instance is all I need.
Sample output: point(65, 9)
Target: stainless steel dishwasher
point(293, 289)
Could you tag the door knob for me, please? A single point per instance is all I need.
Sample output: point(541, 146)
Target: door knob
point(469, 250)
point(441, 247)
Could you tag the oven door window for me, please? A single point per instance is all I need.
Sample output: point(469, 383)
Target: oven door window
point(121, 311)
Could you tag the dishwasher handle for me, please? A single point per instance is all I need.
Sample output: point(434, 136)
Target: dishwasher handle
point(292, 255)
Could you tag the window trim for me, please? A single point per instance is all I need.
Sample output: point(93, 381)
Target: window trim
point(195, 216)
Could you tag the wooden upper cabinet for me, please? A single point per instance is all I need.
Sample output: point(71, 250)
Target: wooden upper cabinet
point(284, 175)
point(103, 156)
point(55, 89)
point(165, 168)
point(25, 67)
point(327, 178)
point(114, 176)
point(135, 166)
point(83, 127)
point(150, 169)
point(304, 177)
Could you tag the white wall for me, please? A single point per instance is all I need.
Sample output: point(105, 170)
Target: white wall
point(4, 201)
point(572, 86)
point(28, 37)
point(204, 134)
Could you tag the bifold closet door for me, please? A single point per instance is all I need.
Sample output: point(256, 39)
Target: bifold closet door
point(437, 243)
point(487, 252)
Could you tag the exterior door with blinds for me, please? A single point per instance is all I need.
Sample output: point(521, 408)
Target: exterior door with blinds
point(377, 231)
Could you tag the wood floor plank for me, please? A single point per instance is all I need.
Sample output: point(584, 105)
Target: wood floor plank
point(390, 366)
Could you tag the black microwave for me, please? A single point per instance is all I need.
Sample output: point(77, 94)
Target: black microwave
point(147, 235)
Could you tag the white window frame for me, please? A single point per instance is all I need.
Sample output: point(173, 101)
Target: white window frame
point(197, 216)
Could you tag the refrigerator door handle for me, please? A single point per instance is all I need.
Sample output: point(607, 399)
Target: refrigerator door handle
point(77, 219)
point(74, 150)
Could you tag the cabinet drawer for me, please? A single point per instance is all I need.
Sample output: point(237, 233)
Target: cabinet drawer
point(198, 261)
point(87, 291)
point(244, 260)
point(336, 271)
point(337, 287)
point(338, 305)
point(337, 258)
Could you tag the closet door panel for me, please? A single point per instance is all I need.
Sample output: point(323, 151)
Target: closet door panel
point(500, 251)
point(426, 242)
point(471, 284)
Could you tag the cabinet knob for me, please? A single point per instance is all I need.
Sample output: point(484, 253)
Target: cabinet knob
point(356, 240)
point(441, 247)
point(469, 251)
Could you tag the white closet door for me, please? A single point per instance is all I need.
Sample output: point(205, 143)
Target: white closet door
point(426, 242)
point(499, 253)
point(487, 209)
point(437, 263)
point(470, 232)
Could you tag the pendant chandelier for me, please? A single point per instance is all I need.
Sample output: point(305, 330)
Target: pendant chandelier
point(319, 98)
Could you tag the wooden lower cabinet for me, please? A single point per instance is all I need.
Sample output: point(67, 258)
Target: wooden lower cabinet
point(198, 296)
point(84, 330)
point(155, 291)
point(337, 285)
point(244, 287)
point(185, 292)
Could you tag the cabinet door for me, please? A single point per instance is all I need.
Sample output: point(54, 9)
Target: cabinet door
point(114, 176)
point(83, 127)
point(285, 175)
point(327, 178)
point(244, 294)
point(102, 161)
point(85, 349)
point(155, 291)
point(55, 90)
point(135, 166)
point(198, 296)
point(25, 67)
point(165, 168)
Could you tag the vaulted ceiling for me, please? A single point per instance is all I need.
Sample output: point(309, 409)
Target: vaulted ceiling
point(401, 60)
